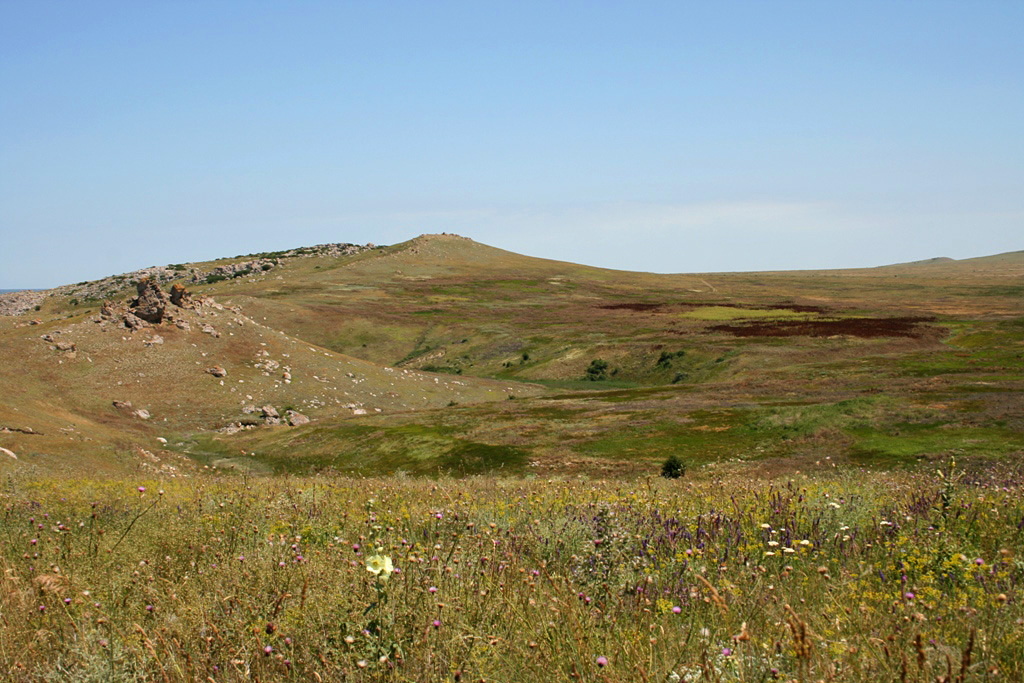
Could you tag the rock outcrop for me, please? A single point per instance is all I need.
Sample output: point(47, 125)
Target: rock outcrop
point(16, 303)
point(180, 296)
point(151, 303)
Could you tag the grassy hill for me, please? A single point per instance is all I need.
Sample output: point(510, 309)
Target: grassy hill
point(405, 358)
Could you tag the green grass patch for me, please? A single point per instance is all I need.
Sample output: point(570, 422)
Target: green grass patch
point(907, 442)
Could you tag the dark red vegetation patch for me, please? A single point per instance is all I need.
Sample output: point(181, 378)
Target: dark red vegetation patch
point(691, 306)
point(866, 328)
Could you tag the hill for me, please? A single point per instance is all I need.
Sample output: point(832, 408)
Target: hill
point(404, 358)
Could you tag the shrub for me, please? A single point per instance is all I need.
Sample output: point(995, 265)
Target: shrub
point(673, 468)
point(665, 360)
point(597, 370)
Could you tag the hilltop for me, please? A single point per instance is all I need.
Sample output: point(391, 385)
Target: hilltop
point(405, 358)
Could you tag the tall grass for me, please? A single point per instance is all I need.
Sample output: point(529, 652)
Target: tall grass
point(830, 577)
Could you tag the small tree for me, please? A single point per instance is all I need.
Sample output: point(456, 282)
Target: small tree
point(673, 468)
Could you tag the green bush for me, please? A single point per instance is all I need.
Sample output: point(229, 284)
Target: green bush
point(597, 370)
point(673, 468)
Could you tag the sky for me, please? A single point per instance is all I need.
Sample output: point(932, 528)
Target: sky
point(656, 136)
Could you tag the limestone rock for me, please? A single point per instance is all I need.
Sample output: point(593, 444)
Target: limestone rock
point(180, 296)
point(133, 322)
point(142, 414)
point(151, 302)
point(123, 405)
point(296, 418)
point(8, 453)
point(269, 411)
point(217, 371)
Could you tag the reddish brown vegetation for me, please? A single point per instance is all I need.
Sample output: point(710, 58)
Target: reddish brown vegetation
point(691, 305)
point(866, 328)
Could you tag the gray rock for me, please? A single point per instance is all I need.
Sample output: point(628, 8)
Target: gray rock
point(296, 418)
point(133, 322)
point(269, 411)
point(151, 302)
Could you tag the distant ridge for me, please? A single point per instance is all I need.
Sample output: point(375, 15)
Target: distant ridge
point(923, 262)
point(1013, 259)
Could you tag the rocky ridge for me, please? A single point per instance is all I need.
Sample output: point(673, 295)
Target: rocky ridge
point(253, 265)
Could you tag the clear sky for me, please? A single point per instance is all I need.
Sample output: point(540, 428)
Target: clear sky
point(671, 137)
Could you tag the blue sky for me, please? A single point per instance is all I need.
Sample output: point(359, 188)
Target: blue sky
point(670, 137)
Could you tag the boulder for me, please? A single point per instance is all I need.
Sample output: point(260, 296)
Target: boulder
point(151, 302)
point(107, 310)
point(142, 414)
point(217, 371)
point(269, 411)
point(133, 322)
point(123, 405)
point(296, 418)
point(180, 296)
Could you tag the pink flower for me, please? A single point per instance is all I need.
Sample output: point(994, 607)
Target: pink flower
point(602, 661)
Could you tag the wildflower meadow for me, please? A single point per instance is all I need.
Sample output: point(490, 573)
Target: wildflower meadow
point(836, 576)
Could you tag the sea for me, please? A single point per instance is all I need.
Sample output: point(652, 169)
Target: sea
point(5, 291)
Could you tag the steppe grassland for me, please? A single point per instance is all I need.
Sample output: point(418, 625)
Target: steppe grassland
point(825, 576)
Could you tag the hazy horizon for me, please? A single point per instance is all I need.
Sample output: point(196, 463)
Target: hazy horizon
point(653, 136)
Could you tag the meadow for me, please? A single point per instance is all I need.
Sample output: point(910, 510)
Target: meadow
point(833, 573)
